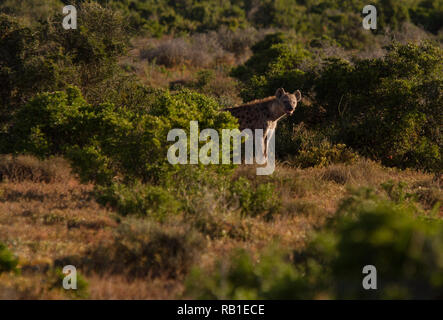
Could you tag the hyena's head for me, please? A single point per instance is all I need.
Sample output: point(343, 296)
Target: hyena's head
point(288, 101)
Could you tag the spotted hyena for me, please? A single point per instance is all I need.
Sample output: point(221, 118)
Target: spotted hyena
point(264, 114)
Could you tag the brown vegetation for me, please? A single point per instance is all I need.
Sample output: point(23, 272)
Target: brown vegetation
point(48, 225)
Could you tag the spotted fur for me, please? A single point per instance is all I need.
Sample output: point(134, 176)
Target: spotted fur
point(265, 113)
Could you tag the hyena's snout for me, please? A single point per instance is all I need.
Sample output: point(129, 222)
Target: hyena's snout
point(288, 100)
point(290, 108)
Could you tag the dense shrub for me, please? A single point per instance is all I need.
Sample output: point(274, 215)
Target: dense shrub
point(7, 260)
point(103, 142)
point(305, 145)
point(274, 64)
point(199, 191)
point(255, 200)
point(23, 69)
point(405, 249)
point(389, 108)
point(57, 55)
point(368, 229)
point(52, 122)
point(242, 277)
point(429, 14)
point(31, 11)
point(177, 17)
point(56, 277)
point(142, 200)
point(152, 250)
point(328, 18)
point(44, 57)
point(143, 249)
point(125, 150)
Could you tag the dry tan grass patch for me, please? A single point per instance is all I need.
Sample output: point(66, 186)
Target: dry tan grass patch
point(28, 168)
point(111, 287)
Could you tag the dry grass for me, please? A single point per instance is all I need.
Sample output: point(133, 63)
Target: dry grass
point(47, 221)
point(199, 51)
point(202, 49)
point(48, 224)
point(21, 168)
point(172, 62)
point(110, 287)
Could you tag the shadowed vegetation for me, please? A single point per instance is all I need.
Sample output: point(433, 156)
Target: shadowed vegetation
point(84, 176)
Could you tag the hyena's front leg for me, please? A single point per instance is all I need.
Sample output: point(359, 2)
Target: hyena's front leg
point(260, 146)
point(265, 143)
point(260, 142)
point(268, 139)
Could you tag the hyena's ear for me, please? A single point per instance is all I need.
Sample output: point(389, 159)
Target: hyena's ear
point(280, 92)
point(297, 95)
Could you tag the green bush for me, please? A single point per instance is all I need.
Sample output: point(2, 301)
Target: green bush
point(303, 146)
point(323, 155)
point(405, 249)
point(139, 199)
point(255, 200)
point(103, 142)
point(59, 56)
point(159, 18)
point(43, 57)
point(388, 108)
point(82, 291)
point(274, 64)
point(429, 14)
point(199, 191)
point(23, 70)
point(51, 122)
point(7, 260)
point(309, 17)
point(31, 11)
point(242, 277)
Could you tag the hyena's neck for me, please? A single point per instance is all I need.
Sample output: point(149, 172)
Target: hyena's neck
point(275, 110)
